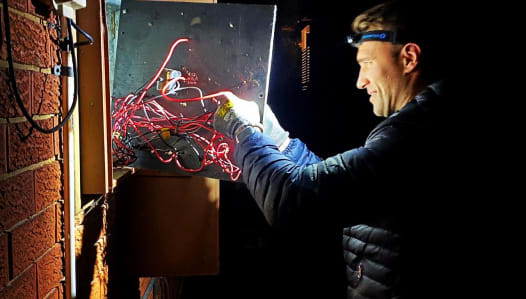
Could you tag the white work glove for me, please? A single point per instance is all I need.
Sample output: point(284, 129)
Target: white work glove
point(234, 115)
point(273, 129)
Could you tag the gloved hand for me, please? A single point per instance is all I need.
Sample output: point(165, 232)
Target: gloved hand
point(273, 129)
point(235, 114)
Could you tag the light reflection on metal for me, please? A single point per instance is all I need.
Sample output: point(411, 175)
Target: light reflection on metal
point(304, 32)
point(305, 59)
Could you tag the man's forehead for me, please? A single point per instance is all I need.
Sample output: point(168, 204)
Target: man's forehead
point(370, 49)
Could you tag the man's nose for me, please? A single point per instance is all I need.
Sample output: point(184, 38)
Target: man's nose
point(362, 81)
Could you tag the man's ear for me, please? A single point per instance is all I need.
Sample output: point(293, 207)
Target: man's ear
point(410, 55)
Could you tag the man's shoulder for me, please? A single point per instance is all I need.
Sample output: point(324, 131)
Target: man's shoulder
point(399, 123)
point(427, 108)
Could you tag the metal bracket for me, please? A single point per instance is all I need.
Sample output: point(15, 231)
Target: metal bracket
point(61, 70)
point(64, 45)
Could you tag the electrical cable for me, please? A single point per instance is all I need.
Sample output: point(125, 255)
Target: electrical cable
point(12, 77)
point(141, 120)
point(83, 43)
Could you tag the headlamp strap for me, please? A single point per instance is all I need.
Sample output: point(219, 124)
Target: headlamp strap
point(376, 35)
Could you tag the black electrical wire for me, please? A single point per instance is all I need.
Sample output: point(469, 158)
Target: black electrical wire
point(12, 77)
point(90, 39)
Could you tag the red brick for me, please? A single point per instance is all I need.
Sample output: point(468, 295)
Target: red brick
point(96, 287)
point(61, 291)
point(16, 199)
point(56, 139)
point(23, 287)
point(54, 294)
point(3, 53)
point(50, 270)
point(48, 184)
point(54, 50)
point(4, 266)
point(29, 41)
point(18, 4)
point(31, 239)
point(59, 231)
point(5, 94)
point(3, 149)
point(8, 105)
point(36, 148)
point(46, 93)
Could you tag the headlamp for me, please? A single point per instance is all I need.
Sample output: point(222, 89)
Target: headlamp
point(356, 39)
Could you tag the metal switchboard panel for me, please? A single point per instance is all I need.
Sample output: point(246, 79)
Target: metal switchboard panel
point(229, 47)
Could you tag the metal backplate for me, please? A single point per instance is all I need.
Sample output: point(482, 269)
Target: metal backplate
point(230, 48)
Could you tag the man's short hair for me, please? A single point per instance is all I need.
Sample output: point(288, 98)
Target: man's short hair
point(392, 16)
point(416, 21)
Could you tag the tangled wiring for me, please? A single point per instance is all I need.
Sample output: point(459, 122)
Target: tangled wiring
point(142, 121)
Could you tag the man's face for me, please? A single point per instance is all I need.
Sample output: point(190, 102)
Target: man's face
point(381, 74)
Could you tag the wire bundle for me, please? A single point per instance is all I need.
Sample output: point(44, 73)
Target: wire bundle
point(142, 121)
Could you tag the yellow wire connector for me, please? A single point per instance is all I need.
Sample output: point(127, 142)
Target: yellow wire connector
point(165, 133)
point(165, 76)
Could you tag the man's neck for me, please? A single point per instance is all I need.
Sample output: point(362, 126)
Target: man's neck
point(413, 88)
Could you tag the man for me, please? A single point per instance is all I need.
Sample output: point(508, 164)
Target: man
point(390, 195)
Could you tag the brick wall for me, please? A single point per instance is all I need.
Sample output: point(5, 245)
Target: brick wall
point(31, 175)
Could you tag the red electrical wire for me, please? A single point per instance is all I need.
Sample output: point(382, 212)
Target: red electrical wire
point(129, 126)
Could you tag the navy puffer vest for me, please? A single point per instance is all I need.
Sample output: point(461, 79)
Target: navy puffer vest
point(371, 256)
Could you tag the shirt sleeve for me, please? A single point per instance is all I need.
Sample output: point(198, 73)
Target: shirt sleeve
point(298, 152)
point(293, 186)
